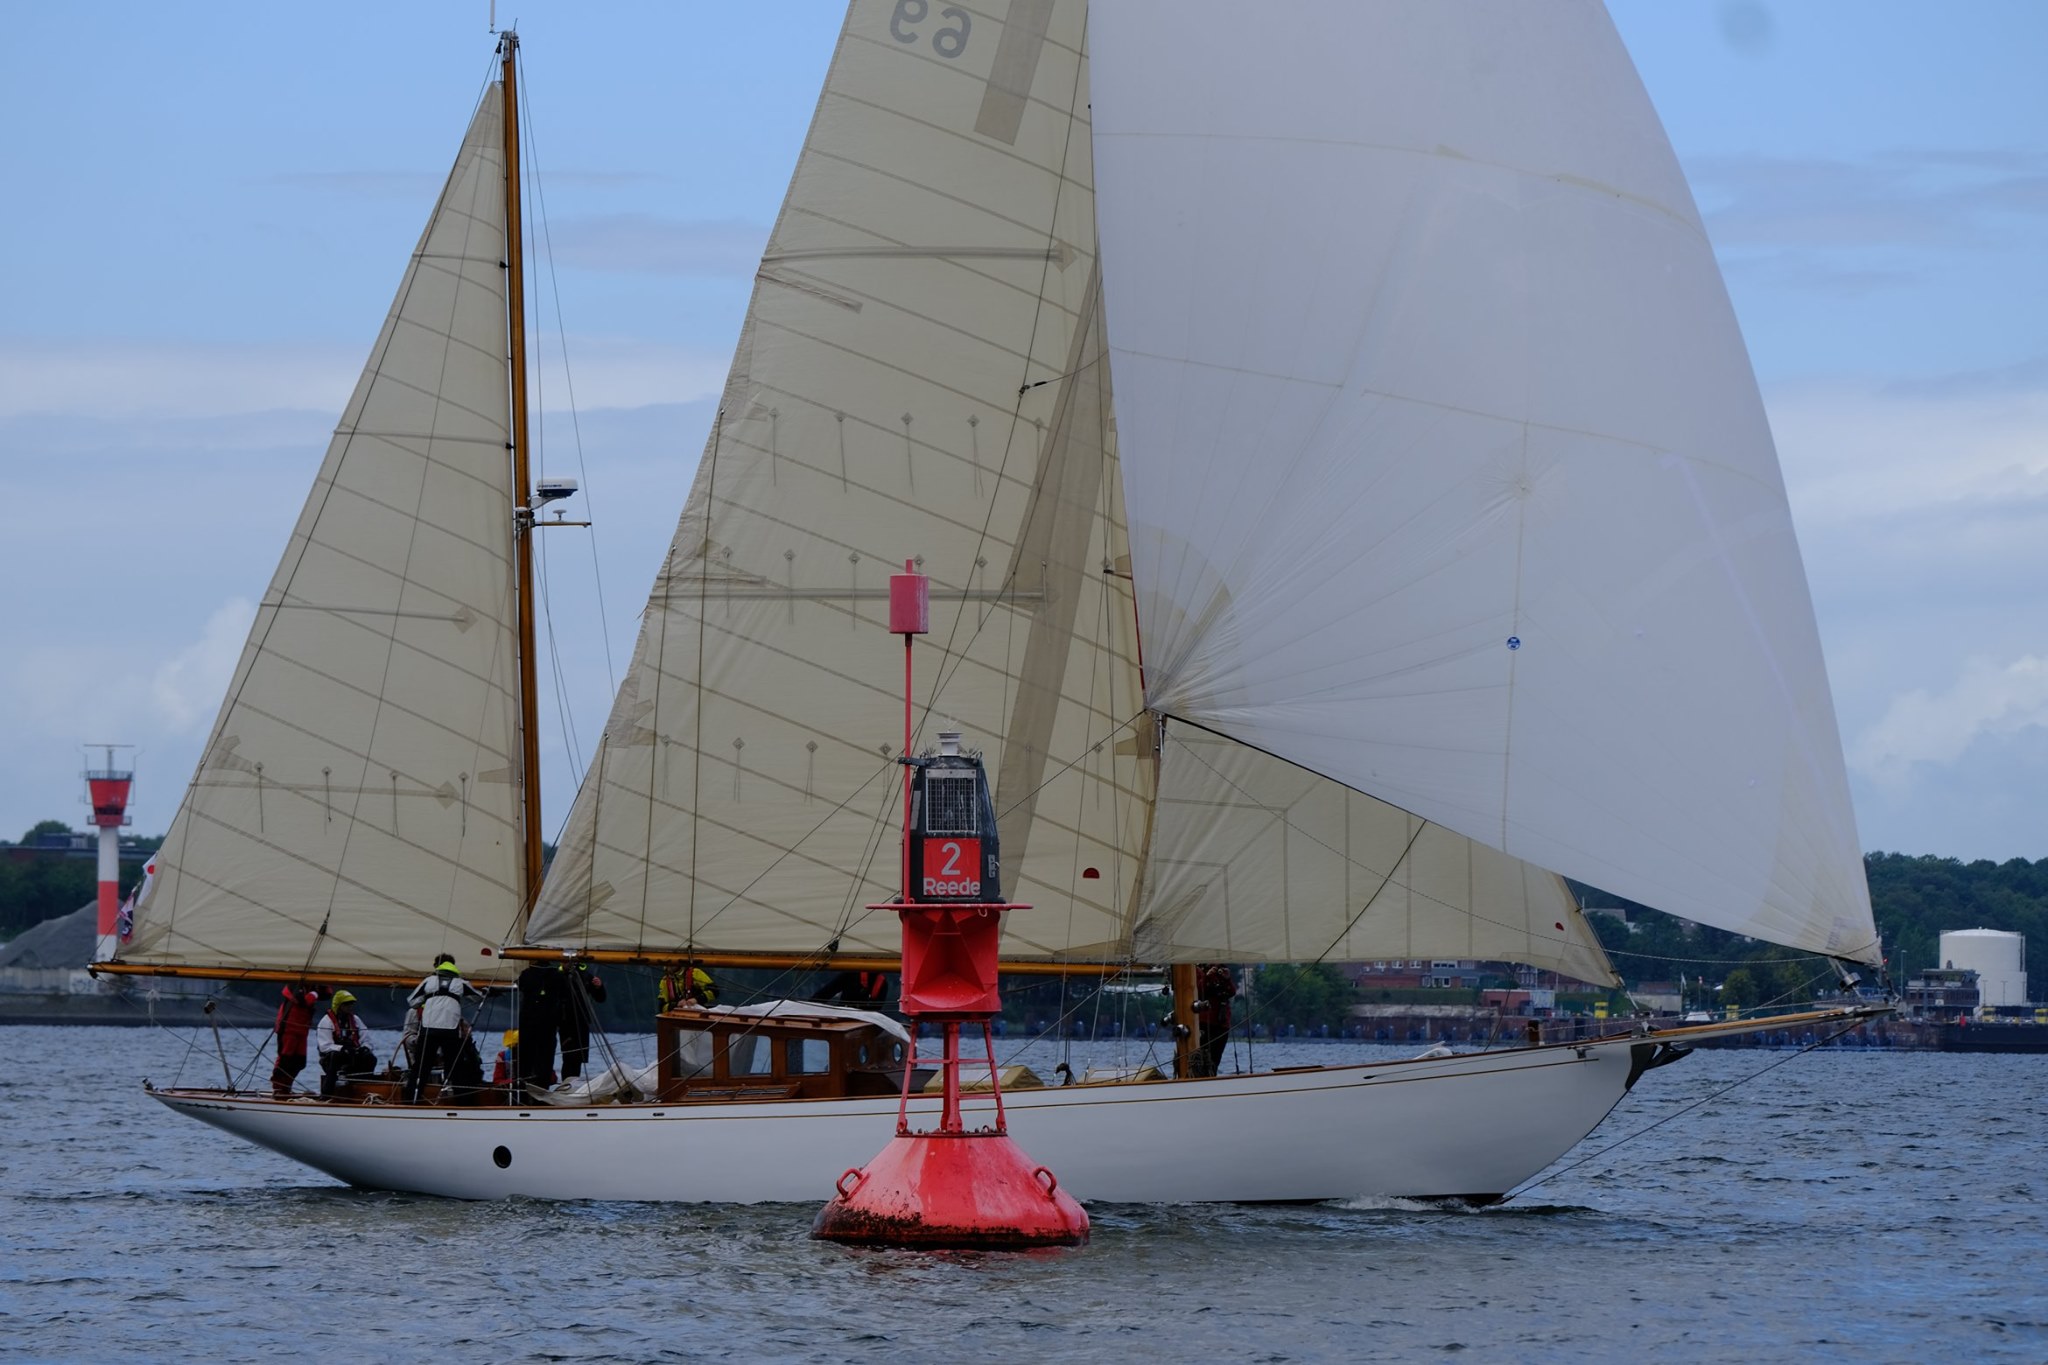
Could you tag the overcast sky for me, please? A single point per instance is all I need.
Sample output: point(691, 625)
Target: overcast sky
point(209, 206)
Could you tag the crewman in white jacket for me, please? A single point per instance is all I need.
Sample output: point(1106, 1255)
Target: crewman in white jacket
point(439, 998)
point(344, 1044)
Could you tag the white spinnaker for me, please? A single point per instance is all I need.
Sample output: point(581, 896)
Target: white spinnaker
point(1447, 474)
point(919, 375)
point(357, 807)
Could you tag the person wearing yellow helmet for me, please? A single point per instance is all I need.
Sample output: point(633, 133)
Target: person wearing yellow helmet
point(344, 1044)
point(439, 998)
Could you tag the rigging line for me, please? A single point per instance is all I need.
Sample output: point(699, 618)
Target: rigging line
point(1085, 366)
point(697, 740)
point(1045, 270)
point(1548, 1176)
point(1281, 816)
point(1719, 961)
point(540, 196)
point(1045, 782)
point(562, 713)
point(851, 797)
point(871, 849)
point(821, 951)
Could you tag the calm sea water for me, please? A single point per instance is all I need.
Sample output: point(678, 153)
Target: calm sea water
point(1851, 1206)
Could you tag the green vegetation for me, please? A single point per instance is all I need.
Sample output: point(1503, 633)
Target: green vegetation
point(1917, 898)
point(1308, 995)
point(41, 886)
point(1913, 898)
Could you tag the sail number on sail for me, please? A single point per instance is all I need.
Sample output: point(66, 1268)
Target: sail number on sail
point(948, 42)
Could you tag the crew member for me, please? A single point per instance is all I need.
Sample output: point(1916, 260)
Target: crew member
point(867, 990)
point(1215, 988)
point(344, 1044)
point(681, 986)
point(540, 1013)
point(501, 1070)
point(440, 998)
point(294, 1019)
point(581, 990)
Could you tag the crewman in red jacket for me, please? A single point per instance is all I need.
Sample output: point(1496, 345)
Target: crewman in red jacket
point(294, 1021)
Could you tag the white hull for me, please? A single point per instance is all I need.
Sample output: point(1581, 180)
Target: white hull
point(1471, 1126)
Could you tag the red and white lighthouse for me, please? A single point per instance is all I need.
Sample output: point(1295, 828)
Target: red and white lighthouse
point(107, 790)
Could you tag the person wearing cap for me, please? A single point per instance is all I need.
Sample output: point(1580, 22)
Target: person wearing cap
point(439, 998)
point(344, 1044)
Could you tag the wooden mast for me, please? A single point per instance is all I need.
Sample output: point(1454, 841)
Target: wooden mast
point(1181, 980)
point(522, 482)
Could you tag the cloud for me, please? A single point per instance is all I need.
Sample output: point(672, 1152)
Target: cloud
point(1972, 444)
point(1987, 699)
point(187, 687)
point(626, 372)
point(1922, 511)
point(115, 379)
point(647, 244)
point(86, 689)
point(411, 187)
point(112, 382)
point(1907, 197)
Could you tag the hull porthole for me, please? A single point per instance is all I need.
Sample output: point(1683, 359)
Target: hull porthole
point(503, 1156)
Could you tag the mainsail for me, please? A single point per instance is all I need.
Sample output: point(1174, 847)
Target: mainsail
point(357, 806)
point(924, 371)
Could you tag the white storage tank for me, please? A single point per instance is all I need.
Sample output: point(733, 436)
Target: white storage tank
point(1999, 958)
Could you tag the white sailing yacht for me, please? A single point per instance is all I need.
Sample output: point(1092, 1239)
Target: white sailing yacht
point(1348, 508)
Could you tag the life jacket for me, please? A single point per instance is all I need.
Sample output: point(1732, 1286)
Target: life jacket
point(698, 990)
point(348, 1030)
point(294, 1019)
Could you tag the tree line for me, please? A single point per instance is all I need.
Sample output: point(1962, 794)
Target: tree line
point(45, 885)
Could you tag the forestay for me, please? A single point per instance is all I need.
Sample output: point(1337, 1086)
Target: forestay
point(922, 372)
point(357, 805)
point(1446, 472)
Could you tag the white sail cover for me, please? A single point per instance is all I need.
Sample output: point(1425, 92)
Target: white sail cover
point(357, 807)
point(922, 372)
point(1447, 477)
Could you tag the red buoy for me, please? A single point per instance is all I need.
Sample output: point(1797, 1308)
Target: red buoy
point(951, 1187)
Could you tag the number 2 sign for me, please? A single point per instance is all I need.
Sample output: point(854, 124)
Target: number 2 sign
point(952, 869)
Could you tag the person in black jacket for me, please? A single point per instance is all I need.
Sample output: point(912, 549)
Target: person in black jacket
point(582, 990)
point(540, 1012)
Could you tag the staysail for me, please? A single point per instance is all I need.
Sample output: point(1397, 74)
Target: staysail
point(357, 807)
point(1447, 474)
point(924, 372)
